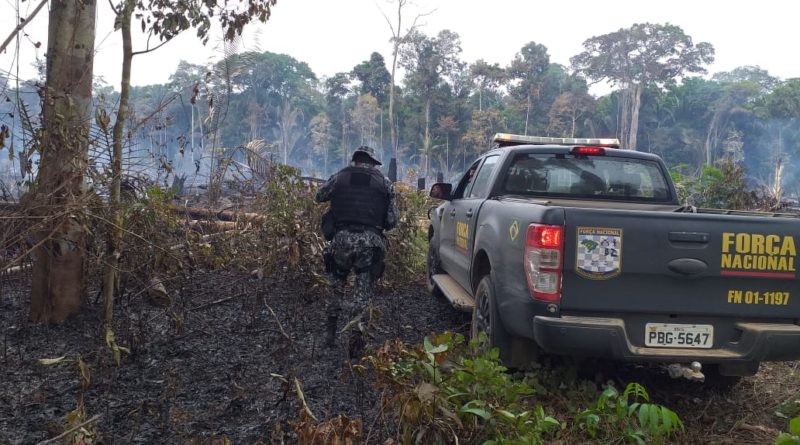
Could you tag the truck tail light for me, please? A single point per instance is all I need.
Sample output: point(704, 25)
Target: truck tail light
point(544, 263)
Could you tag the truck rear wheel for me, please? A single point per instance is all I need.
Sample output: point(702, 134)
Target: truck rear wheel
point(514, 352)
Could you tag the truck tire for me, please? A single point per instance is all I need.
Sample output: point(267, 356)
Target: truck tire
point(433, 266)
point(515, 353)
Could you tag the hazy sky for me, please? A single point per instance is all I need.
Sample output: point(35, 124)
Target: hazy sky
point(333, 36)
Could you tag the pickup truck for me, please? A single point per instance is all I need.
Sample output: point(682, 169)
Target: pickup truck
point(575, 247)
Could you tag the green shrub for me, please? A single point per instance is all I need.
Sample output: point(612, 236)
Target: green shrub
point(629, 417)
point(448, 388)
point(721, 188)
point(793, 436)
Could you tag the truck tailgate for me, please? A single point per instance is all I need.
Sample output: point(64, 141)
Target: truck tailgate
point(623, 261)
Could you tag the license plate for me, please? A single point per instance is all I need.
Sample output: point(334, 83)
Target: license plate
point(671, 335)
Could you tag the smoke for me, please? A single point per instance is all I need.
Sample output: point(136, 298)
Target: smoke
point(772, 152)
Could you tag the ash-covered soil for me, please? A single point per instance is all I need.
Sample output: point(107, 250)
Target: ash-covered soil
point(221, 363)
point(204, 370)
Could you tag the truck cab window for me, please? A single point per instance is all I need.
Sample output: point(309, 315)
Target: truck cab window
point(481, 187)
point(600, 177)
point(466, 181)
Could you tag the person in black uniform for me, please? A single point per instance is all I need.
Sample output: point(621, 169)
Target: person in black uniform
point(362, 205)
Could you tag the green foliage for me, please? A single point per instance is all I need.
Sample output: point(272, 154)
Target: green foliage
point(287, 241)
point(288, 237)
point(630, 417)
point(151, 227)
point(166, 19)
point(642, 54)
point(793, 436)
point(408, 242)
point(374, 77)
point(449, 388)
point(721, 188)
point(790, 408)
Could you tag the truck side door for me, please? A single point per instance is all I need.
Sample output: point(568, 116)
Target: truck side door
point(466, 216)
point(448, 226)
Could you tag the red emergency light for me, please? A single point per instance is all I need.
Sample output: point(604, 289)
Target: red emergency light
point(588, 151)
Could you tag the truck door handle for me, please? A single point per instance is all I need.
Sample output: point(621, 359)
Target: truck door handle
point(689, 237)
point(469, 213)
point(453, 213)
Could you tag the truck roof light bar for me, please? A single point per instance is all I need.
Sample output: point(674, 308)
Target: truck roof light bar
point(507, 139)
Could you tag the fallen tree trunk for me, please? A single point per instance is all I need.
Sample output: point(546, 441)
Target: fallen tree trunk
point(222, 215)
point(212, 226)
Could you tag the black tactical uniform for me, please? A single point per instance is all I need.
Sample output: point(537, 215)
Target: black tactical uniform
point(363, 205)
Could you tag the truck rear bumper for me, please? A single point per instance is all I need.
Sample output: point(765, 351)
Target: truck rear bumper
point(608, 338)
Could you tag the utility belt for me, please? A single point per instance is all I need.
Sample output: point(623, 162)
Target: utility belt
point(330, 227)
point(376, 267)
point(358, 228)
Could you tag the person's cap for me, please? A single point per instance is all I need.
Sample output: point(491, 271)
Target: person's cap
point(369, 151)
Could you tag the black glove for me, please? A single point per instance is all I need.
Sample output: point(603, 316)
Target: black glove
point(378, 264)
point(328, 225)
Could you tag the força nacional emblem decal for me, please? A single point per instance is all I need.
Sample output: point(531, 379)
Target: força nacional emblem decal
point(599, 253)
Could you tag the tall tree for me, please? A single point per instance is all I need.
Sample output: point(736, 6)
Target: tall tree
point(485, 76)
point(374, 77)
point(365, 118)
point(321, 138)
point(188, 81)
point(124, 18)
point(528, 70)
point(336, 90)
point(751, 74)
point(567, 110)
point(398, 39)
point(479, 136)
point(637, 57)
point(428, 61)
point(375, 81)
point(733, 100)
point(446, 126)
point(783, 109)
point(289, 130)
point(57, 285)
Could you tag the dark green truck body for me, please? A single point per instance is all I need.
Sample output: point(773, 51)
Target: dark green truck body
point(642, 278)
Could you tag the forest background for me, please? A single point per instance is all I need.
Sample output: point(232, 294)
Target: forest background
point(252, 107)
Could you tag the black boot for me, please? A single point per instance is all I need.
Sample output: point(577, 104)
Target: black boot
point(330, 335)
point(356, 344)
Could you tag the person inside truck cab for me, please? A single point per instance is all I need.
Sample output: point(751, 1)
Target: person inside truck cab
point(626, 184)
point(587, 183)
point(465, 182)
point(526, 180)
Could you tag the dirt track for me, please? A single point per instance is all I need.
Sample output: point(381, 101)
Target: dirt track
point(216, 372)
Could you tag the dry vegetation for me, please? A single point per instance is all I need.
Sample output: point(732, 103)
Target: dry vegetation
point(217, 332)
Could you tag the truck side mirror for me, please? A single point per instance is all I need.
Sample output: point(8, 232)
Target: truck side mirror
point(442, 190)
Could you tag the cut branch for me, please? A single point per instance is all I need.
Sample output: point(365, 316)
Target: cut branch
point(71, 430)
point(22, 25)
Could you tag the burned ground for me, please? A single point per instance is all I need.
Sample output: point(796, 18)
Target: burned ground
point(221, 363)
point(218, 371)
